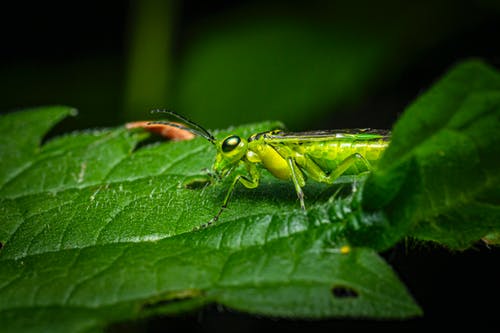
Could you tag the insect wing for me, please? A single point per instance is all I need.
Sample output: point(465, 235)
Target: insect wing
point(327, 135)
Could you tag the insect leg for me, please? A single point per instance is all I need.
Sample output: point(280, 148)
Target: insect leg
point(298, 180)
point(316, 173)
point(251, 182)
point(346, 164)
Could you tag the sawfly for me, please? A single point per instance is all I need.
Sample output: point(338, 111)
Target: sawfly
point(322, 156)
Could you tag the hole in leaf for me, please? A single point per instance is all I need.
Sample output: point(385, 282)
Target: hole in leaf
point(1, 245)
point(147, 140)
point(162, 303)
point(344, 292)
point(196, 182)
point(196, 185)
point(171, 298)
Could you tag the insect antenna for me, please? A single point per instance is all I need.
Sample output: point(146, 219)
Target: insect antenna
point(191, 126)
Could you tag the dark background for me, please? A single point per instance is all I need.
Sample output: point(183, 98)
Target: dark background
point(311, 64)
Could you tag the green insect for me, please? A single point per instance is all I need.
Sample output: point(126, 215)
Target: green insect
point(322, 156)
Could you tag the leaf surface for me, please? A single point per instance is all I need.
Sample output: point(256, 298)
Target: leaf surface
point(439, 178)
point(95, 230)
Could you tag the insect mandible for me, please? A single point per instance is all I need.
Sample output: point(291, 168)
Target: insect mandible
point(322, 156)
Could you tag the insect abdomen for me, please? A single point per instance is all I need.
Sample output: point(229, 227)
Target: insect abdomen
point(329, 154)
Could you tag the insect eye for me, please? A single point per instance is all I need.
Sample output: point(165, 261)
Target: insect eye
point(230, 143)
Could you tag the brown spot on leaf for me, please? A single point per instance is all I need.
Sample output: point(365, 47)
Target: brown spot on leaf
point(166, 131)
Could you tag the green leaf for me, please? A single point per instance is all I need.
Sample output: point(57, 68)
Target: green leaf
point(95, 230)
point(492, 239)
point(23, 133)
point(439, 178)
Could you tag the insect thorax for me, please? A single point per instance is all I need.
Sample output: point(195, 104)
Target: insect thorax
point(260, 152)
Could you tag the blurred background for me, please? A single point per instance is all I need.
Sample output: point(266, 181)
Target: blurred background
point(311, 64)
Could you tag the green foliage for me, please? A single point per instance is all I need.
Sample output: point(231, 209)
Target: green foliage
point(95, 228)
point(94, 232)
point(439, 177)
